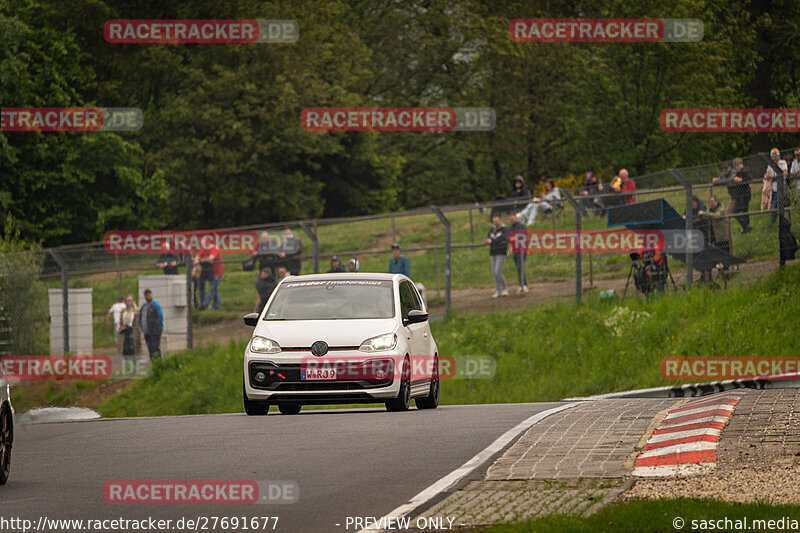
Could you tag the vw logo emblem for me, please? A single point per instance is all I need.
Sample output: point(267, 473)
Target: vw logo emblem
point(319, 348)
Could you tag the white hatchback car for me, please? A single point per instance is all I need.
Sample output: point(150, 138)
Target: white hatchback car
point(341, 338)
point(6, 430)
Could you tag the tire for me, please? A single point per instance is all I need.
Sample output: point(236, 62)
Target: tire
point(254, 407)
point(289, 408)
point(403, 400)
point(431, 401)
point(6, 442)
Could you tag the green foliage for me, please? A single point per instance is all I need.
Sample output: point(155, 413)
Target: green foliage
point(23, 297)
point(222, 143)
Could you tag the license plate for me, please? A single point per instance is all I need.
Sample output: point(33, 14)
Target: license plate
point(314, 374)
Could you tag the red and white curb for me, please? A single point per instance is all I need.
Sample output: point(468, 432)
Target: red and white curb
point(686, 441)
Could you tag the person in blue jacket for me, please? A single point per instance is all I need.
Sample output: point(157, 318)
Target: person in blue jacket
point(151, 320)
point(399, 264)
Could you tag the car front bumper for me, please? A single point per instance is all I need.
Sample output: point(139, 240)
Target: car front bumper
point(283, 381)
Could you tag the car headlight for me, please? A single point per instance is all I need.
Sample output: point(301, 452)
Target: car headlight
point(380, 343)
point(264, 345)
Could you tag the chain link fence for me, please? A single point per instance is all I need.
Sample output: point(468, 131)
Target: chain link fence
point(65, 294)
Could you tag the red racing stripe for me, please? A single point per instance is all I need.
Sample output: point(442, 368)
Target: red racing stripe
point(690, 406)
point(678, 458)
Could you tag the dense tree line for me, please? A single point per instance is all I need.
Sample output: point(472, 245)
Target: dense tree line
point(222, 143)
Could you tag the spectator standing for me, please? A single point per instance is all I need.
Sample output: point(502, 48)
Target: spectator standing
point(213, 257)
point(291, 249)
point(264, 287)
point(167, 261)
point(115, 311)
point(399, 264)
point(336, 265)
point(282, 273)
point(518, 192)
point(151, 320)
point(130, 330)
point(719, 233)
point(741, 194)
point(794, 171)
point(516, 228)
point(266, 252)
point(352, 265)
point(497, 239)
point(201, 273)
point(771, 181)
point(547, 203)
point(627, 186)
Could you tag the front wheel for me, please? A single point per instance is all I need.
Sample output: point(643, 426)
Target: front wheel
point(403, 400)
point(254, 407)
point(431, 401)
point(6, 441)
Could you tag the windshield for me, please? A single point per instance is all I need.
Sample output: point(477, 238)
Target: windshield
point(332, 300)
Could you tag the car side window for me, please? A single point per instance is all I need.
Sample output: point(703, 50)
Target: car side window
point(415, 295)
point(406, 299)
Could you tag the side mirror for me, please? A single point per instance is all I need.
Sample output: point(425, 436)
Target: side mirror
point(416, 316)
point(251, 319)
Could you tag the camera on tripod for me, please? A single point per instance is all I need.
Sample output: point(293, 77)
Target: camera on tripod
point(649, 269)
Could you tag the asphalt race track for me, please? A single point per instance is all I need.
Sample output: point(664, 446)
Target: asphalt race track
point(362, 462)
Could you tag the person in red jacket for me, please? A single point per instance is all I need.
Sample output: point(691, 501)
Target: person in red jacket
point(627, 186)
point(212, 255)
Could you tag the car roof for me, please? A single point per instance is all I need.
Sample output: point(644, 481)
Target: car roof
point(345, 275)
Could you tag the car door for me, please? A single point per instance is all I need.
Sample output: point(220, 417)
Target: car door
point(417, 336)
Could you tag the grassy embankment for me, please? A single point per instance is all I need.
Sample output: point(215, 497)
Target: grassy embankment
point(542, 353)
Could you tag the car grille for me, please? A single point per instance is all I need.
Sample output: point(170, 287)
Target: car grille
point(290, 380)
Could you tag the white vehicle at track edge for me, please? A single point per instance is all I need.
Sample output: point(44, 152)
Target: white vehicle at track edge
point(341, 338)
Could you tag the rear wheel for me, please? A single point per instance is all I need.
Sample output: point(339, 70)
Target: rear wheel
point(403, 400)
point(289, 408)
point(6, 441)
point(254, 407)
point(431, 401)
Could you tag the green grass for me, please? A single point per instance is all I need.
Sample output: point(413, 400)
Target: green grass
point(645, 516)
point(542, 353)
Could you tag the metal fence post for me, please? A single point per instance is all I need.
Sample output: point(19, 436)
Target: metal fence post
point(314, 244)
point(579, 214)
point(446, 224)
point(189, 302)
point(689, 213)
point(64, 296)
